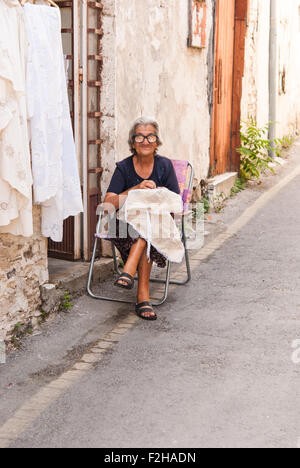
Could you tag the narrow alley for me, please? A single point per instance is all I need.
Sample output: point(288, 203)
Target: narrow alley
point(153, 157)
point(217, 369)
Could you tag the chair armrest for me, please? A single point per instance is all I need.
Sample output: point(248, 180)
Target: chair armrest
point(100, 209)
point(105, 208)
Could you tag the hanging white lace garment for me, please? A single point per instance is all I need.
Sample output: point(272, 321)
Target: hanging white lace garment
point(54, 162)
point(15, 169)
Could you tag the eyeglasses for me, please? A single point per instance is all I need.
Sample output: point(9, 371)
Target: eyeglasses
point(141, 138)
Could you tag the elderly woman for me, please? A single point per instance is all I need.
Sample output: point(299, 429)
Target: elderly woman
point(144, 169)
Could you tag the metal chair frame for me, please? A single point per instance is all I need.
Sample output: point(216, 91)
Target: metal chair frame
point(167, 281)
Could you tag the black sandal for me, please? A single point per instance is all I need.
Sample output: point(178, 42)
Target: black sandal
point(145, 307)
point(127, 279)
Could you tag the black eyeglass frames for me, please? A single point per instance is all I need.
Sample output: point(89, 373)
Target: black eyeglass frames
point(141, 138)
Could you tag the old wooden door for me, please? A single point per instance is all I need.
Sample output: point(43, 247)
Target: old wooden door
point(240, 31)
point(223, 79)
point(230, 33)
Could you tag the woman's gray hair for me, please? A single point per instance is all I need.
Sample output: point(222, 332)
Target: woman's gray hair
point(137, 123)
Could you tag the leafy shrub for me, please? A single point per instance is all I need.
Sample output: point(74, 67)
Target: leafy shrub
point(239, 186)
point(256, 148)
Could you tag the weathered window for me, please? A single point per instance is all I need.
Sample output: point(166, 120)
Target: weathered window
point(197, 23)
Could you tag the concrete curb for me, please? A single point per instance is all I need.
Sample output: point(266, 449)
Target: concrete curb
point(74, 283)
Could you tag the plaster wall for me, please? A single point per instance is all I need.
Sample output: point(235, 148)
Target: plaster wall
point(255, 98)
point(108, 93)
point(288, 101)
point(155, 74)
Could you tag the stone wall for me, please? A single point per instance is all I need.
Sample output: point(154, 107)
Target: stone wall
point(23, 268)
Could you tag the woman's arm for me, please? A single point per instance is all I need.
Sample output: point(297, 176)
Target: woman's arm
point(118, 200)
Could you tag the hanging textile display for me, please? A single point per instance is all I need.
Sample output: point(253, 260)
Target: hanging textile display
point(15, 169)
point(54, 162)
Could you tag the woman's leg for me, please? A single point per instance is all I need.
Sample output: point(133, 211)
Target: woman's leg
point(138, 260)
point(134, 258)
point(144, 270)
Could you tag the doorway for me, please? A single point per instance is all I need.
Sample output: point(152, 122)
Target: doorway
point(230, 34)
point(82, 35)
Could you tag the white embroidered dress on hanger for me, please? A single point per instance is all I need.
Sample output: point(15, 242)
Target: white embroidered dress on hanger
point(54, 162)
point(15, 169)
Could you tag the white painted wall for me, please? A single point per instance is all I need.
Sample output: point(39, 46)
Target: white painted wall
point(255, 99)
point(108, 94)
point(157, 75)
point(149, 70)
point(289, 59)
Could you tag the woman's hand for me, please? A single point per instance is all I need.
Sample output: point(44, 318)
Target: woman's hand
point(147, 184)
point(118, 200)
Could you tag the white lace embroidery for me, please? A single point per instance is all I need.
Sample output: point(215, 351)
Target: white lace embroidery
point(15, 170)
point(54, 161)
point(3, 206)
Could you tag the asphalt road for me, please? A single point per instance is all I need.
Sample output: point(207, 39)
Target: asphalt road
point(216, 369)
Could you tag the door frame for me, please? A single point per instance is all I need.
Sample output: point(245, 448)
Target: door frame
point(77, 132)
point(240, 32)
point(70, 247)
point(91, 119)
point(85, 34)
point(241, 26)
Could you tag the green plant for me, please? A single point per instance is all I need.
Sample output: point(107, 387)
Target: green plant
point(256, 148)
point(206, 204)
point(287, 142)
point(66, 304)
point(240, 184)
point(15, 342)
point(43, 315)
point(19, 331)
point(200, 208)
point(219, 202)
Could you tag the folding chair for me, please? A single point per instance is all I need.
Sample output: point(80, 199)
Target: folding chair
point(181, 168)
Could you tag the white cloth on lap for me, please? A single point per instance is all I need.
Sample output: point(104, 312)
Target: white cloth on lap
point(149, 213)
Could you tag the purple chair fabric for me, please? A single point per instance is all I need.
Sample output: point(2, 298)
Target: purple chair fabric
point(181, 169)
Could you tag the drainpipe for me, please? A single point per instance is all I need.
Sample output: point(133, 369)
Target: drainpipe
point(273, 84)
point(84, 139)
point(76, 54)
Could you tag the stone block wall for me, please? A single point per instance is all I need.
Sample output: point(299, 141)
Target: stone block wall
point(23, 268)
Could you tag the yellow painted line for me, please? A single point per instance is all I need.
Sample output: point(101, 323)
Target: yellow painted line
point(32, 409)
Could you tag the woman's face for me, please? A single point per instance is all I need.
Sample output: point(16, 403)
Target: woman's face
point(145, 148)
